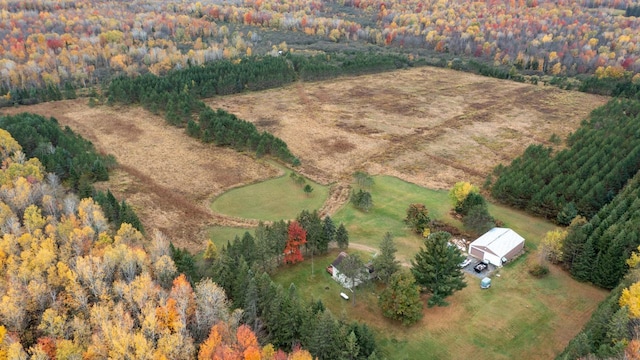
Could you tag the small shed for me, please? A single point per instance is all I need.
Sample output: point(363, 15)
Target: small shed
point(497, 246)
point(485, 283)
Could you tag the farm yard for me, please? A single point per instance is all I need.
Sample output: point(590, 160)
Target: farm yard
point(418, 131)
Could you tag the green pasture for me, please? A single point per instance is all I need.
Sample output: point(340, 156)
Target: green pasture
point(271, 200)
point(391, 198)
point(510, 320)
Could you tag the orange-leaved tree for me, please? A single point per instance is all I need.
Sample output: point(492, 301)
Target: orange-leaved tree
point(297, 237)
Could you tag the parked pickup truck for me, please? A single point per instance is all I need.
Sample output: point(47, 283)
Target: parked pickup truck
point(465, 263)
point(480, 267)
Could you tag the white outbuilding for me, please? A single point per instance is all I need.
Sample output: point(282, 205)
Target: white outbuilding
point(497, 246)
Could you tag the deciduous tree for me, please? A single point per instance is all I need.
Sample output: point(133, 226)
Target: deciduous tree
point(460, 191)
point(552, 245)
point(417, 218)
point(400, 300)
point(297, 237)
point(352, 267)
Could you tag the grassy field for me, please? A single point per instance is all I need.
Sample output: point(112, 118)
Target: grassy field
point(221, 234)
point(510, 320)
point(274, 199)
point(428, 126)
point(391, 197)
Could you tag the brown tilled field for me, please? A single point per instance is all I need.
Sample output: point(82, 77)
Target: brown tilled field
point(429, 126)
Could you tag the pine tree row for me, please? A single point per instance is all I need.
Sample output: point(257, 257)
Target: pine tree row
point(603, 154)
point(597, 250)
point(62, 152)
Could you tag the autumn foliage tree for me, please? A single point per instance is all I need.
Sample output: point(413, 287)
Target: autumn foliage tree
point(297, 237)
point(74, 287)
point(400, 300)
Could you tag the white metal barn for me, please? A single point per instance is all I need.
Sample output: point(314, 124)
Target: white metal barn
point(497, 246)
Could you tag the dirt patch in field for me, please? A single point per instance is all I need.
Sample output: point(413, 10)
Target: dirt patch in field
point(429, 126)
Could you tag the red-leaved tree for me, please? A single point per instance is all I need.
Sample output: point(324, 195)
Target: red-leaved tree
point(297, 238)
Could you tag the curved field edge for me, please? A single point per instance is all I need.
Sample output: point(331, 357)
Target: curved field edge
point(271, 200)
point(430, 126)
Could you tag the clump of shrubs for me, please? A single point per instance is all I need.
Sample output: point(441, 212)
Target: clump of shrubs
point(539, 270)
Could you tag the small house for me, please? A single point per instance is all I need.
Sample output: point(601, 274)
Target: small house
point(485, 283)
point(497, 246)
point(334, 270)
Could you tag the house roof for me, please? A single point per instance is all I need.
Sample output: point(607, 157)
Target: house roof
point(498, 241)
point(339, 259)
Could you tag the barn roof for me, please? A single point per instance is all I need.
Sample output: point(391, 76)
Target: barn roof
point(339, 259)
point(498, 241)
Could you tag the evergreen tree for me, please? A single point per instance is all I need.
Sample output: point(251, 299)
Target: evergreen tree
point(185, 263)
point(472, 200)
point(436, 268)
point(352, 349)
point(128, 215)
point(582, 268)
point(478, 220)
point(250, 305)
point(263, 252)
point(342, 237)
point(240, 282)
point(326, 340)
point(366, 339)
point(568, 212)
point(385, 263)
point(329, 232)
point(610, 265)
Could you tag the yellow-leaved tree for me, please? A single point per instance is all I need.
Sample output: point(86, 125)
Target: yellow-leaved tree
point(631, 298)
point(552, 245)
point(460, 191)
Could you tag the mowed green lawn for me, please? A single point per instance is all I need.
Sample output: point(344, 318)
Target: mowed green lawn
point(519, 317)
point(274, 199)
point(391, 198)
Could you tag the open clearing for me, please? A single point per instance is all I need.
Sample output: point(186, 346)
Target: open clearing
point(428, 126)
point(520, 317)
point(391, 198)
point(168, 177)
point(271, 200)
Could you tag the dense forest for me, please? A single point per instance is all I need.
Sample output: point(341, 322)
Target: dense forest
point(84, 280)
point(73, 44)
point(77, 286)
